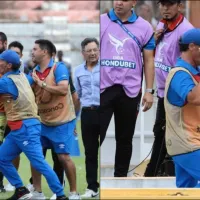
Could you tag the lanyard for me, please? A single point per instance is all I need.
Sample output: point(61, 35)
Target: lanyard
point(130, 34)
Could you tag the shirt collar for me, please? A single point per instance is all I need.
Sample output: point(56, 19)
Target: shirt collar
point(175, 23)
point(182, 63)
point(11, 72)
point(114, 17)
point(96, 66)
point(50, 65)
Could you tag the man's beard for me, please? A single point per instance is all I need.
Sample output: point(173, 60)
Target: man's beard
point(172, 18)
point(2, 50)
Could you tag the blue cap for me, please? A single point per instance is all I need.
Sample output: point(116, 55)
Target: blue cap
point(191, 36)
point(10, 56)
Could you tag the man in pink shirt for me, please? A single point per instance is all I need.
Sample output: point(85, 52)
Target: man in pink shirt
point(127, 47)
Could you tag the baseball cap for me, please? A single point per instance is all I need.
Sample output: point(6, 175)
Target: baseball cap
point(10, 56)
point(169, 1)
point(191, 36)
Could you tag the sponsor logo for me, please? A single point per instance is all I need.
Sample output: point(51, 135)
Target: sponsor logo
point(160, 49)
point(169, 143)
point(118, 44)
point(118, 63)
point(61, 146)
point(47, 110)
point(162, 66)
point(25, 143)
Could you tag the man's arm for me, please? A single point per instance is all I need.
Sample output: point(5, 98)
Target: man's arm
point(193, 96)
point(149, 77)
point(59, 89)
point(74, 94)
point(77, 85)
point(76, 102)
point(61, 78)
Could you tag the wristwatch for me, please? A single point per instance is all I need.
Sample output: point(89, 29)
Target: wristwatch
point(151, 91)
point(44, 84)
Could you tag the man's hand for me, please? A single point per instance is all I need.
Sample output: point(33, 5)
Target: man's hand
point(36, 79)
point(158, 33)
point(147, 101)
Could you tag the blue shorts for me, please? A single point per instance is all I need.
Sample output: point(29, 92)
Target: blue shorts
point(59, 138)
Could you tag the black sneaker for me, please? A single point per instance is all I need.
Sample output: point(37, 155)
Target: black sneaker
point(63, 197)
point(2, 189)
point(21, 193)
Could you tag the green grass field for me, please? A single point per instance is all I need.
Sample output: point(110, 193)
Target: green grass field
point(24, 172)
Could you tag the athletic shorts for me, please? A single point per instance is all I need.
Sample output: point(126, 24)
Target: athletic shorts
point(59, 138)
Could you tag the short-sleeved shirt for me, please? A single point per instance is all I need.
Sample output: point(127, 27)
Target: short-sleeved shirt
point(61, 72)
point(181, 84)
point(7, 86)
point(150, 44)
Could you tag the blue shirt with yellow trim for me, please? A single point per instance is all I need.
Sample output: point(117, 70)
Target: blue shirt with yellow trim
point(181, 84)
point(150, 44)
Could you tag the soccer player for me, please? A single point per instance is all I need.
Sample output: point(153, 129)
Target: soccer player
point(22, 118)
point(55, 107)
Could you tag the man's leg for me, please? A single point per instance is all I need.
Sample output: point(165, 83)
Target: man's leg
point(106, 111)
point(183, 178)
point(159, 148)
point(61, 140)
point(187, 169)
point(33, 171)
point(1, 180)
point(2, 131)
point(36, 178)
point(16, 161)
point(33, 150)
point(57, 167)
point(90, 135)
point(8, 151)
point(125, 112)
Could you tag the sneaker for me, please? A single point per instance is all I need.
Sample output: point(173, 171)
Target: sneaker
point(53, 197)
point(89, 194)
point(63, 197)
point(30, 187)
point(2, 189)
point(9, 188)
point(37, 195)
point(74, 195)
point(20, 194)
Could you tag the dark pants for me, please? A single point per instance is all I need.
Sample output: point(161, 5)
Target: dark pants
point(90, 134)
point(159, 148)
point(125, 109)
point(57, 167)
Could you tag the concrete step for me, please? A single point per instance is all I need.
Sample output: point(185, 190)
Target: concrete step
point(149, 193)
point(138, 182)
point(108, 171)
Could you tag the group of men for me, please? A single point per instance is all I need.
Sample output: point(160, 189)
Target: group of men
point(41, 108)
point(39, 112)
point(129, 47)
